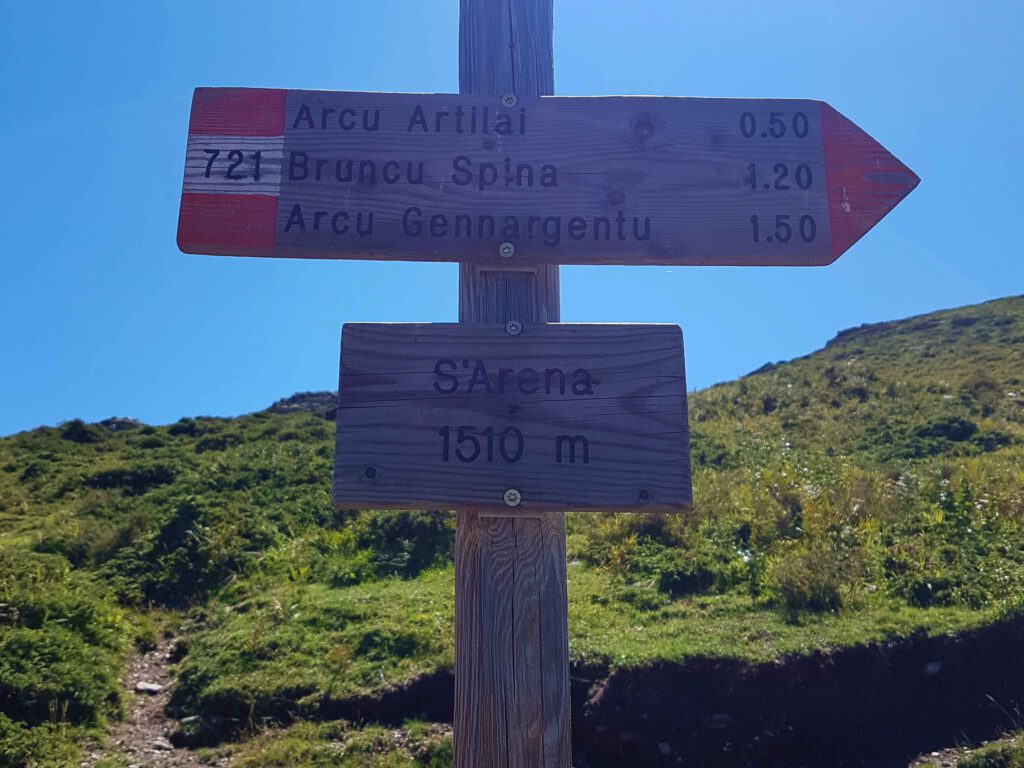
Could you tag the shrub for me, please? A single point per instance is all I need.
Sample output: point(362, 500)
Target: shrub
point(61, 649)
point(991, 439)
point(185, 564)
point(53, 672)
point(383, 644)
point(218, 442)
point(708, 452)
point(950, 428)
point(183, 427)
point(133, 480)
point(77, 431)
point(47, 744)
point(806, 579)
point(406, 543)
point(708, 561)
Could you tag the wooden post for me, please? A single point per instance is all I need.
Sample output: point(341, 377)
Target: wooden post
point(511, 629)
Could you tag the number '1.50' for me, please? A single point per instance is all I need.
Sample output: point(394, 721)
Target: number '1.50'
point(784, 230)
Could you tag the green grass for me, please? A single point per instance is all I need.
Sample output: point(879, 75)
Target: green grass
point(292, 649)
point(871, 490)
point(1005, 754)
point(287, 650)
point(606, 628)
point(340, 745)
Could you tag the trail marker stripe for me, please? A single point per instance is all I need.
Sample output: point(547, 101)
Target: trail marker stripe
point(238, 111)
point(236, 224)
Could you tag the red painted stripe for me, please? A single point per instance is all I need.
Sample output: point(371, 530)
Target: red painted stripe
point(227, 225)
point(864, 181)
point(238, 111)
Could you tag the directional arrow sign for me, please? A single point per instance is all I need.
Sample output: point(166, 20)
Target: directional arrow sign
point(596, 180)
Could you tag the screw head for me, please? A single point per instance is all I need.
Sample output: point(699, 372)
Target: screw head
point(513, 327)
point(509, 100)
point(506, 250)
point(512, 497)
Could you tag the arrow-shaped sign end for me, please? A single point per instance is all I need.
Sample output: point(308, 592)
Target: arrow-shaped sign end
point(865, 181)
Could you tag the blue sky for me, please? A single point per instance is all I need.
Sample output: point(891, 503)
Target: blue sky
point(101, 315)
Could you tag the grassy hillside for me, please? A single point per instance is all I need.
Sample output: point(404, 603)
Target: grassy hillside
point(872, 489)
point(949, 383)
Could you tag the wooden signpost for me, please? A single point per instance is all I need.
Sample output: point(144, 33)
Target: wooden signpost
point(508, 417)
point(530, 179)
point(512, 419)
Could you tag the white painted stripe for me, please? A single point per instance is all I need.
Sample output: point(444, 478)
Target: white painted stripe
point(227, 164)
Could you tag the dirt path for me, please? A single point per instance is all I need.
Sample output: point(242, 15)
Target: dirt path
point(142, 739)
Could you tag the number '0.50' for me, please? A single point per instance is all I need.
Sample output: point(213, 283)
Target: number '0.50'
point(777, 126)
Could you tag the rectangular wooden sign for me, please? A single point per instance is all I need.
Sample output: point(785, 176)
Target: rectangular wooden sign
point(469, 417)
point(595, 180)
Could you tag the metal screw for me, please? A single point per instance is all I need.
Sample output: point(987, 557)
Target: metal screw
point(509, 100)
point(506, 250)
point(513, 327)
point(512, 497)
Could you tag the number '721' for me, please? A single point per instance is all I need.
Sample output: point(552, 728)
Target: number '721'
point(234, 158)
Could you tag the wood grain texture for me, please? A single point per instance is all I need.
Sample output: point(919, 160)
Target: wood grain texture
point(489, 295)
point(498, 572)
point(512, 670)
point(582, 417)
point(539, 663)
point(505, 46)
point(553, 598)
point(243, 179)
point(576, 180)
point(470, 647)
point(527, 737)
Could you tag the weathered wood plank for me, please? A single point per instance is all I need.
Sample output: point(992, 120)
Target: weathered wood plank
point(526, 740)
point(469, 635)
point(497, 580)
point(554, 634)
point(585, 417)
point(494, 59)
point(490, 294)
point(569, 180)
